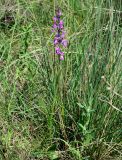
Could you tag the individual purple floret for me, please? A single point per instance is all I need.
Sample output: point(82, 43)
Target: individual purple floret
point(55, 26)
point(59, 39)
point(57, 50)
point(54, 19)
point(64, 42)
point(61, 57)
point(63, 34)
point(61, 24)
point(58, 13)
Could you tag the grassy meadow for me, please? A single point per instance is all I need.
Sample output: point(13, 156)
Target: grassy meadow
point(70, 110)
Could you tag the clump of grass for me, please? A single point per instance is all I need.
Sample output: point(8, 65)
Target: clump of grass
point(74, 112)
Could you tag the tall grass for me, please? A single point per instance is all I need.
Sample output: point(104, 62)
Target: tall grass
point(70, 110)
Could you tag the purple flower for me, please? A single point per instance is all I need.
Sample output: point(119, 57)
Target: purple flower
point(55, 41)
point(64, 42)
point(57, 50)
point(58, 28)
point(61, 25)
point(55, 19)
point(55, 26)
point(61, 57)
point(58, 13)
point(62, 53)
point(63, 34)
point(61, 22)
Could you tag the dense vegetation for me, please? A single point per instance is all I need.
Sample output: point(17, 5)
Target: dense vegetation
point(70, 110)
